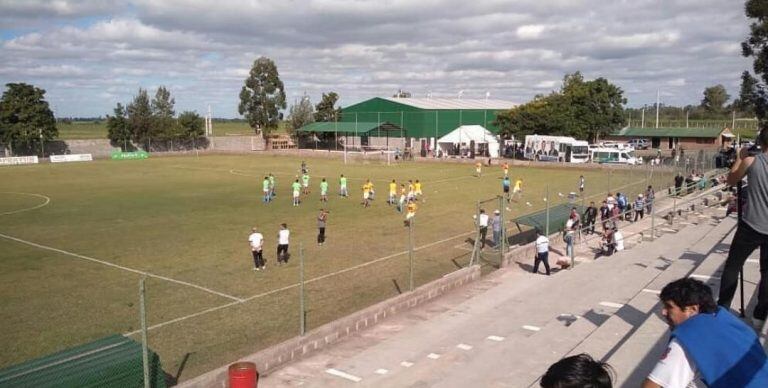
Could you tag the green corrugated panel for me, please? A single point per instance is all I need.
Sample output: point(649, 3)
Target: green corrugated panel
point(341, 127)
point(670, 132)
point(114, 361)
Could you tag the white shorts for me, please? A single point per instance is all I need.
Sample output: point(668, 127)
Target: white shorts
point(296, 194)
point(323, 192)
point(409, 216)
point(516, 190)
point(418, 192)
point(305, 185)
point(366, 195)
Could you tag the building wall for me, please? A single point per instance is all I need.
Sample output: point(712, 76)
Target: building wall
point(691, 143)
point(418, 123)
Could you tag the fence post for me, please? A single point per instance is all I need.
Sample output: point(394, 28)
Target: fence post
point(546, 202)
point(503, 241)
point(410, 253)
point(609, 179)
point(302, 309)
point(143, 317)
point(475, 251)
point(653, 219)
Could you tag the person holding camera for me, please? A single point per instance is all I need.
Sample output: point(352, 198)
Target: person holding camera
point(752, 230)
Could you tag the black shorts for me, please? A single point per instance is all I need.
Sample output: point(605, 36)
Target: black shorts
point(506, 190)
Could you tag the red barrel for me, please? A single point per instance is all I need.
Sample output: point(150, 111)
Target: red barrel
point(243, 375)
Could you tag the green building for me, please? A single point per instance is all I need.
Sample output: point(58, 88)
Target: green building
point(426, 118)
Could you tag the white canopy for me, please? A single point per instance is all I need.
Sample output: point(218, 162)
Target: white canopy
point(463, 135)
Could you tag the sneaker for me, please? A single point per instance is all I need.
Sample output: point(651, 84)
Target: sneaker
point(255, 269)
point(264, 267)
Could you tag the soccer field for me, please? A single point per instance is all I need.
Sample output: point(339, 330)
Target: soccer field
point(76, 238)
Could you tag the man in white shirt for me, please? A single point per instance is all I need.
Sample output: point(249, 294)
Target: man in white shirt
point(482, 223)
point(256, 241)
point(618, 239)
point(282, 244)
point(542, 252)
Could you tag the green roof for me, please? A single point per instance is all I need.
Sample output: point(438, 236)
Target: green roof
point(114, 361)
point(349, 127)
point(669, 132)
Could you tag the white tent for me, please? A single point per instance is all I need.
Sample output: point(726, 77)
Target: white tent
point(461, 138)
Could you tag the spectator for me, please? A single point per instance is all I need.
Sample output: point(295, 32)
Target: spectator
point(590, 215)
point(752, 230)
point(497, 228)
point(578, 371)
point(605, 213)
point(639, 207)
point(482, 223)
point(678, 184)
point(282, 244)
point(618, 239)
point(650, 195)
point(256, 241)
point(322, 219)
point(621, 201)
point(707, 341)
point(542, 252)
point(608, 243)
point(568, 237)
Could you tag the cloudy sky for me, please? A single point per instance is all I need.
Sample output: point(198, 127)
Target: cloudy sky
point(90, 54)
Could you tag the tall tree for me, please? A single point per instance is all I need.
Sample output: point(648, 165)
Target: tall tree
point(163, 124)
point(325, 111)
point(302, 113)
point(25, 118)
point(747, 94)
point(117, 126)
point(191, 125)
point(139, 114)
point(756, 46)
point(262, 96)
point(715, 98)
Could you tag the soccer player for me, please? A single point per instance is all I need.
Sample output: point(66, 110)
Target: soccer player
point(410, 213)
point(271, 186)
point(410, 191)
point(343, 186)
point(417, 188)
point(371, 191)
point(367, 194)
point(478, 169)
point(505, 167)
point(296, 186)
point(305, 182)
point(323, 190)
point(265, 189)
point(401, 202)
point(581, 184)
point(518, 189)
point(392, 192)
point(505, 187)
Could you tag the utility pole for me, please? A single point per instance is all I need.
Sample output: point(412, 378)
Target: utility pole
point(657, 108)
point(642, 119)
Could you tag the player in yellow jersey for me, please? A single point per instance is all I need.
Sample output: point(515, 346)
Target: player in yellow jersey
point(401, 202)
point(517, 191)
point(478, 169)
point(392, 192)
point(410, 190)
point(411, 212)
point(417, 188)
point(367, 194)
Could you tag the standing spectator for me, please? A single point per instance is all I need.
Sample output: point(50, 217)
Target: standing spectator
point(639, 207)
point(577, 372)
point(605, 213)
point(482, 223)
point(650, 196)
point(323, 190)
point(322, 219)
point(621, 201)
point(265, 190)
point(505, 187)
point(542, 252)
point(707, 341)
point(282, 244)
point(610, 201)
point(568, 237)
point(679, 184)
point(576, 218)
point(581, 184)
point(343, 186)
point(296, 187)
point(752, 230)
point(590, 215)
point(496, 226)
point(256, 241)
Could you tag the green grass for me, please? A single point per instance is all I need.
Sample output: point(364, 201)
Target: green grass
point(78, 130)
point(188, 219)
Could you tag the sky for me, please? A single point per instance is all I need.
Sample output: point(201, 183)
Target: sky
point(91, 54)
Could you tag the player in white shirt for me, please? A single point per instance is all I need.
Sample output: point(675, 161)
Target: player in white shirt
point(542, 252)
point(256, 241)
point(282, 244)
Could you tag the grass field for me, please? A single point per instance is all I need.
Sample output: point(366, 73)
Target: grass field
point(77, 130)
point(74, 239)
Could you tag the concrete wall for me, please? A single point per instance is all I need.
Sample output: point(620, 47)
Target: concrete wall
point(315, 340)
point(101, 148)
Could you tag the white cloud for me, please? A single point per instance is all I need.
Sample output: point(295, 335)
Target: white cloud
point(530, 31)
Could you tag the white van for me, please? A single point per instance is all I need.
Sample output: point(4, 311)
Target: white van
point(613, 155)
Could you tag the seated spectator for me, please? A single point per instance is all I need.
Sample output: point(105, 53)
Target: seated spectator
point(707, 342)
point(578, 372)
point(608, 245)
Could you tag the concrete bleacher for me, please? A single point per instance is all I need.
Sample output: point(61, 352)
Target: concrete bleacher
point(507, 328)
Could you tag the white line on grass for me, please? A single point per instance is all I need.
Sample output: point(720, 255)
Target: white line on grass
point(30, 243)
point(343, 375)
point(47, 201)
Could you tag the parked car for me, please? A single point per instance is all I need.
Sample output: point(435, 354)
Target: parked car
point(639, 144)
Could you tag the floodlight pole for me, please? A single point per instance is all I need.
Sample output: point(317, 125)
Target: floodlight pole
point(410, 253)
point(546, 202)
point(143, 317)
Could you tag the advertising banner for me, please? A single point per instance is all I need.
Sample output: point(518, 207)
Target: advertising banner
point(130, 155)
point(71, 158)
point(16, 160)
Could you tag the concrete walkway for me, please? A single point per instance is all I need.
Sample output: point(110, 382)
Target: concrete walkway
point(505, 330)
